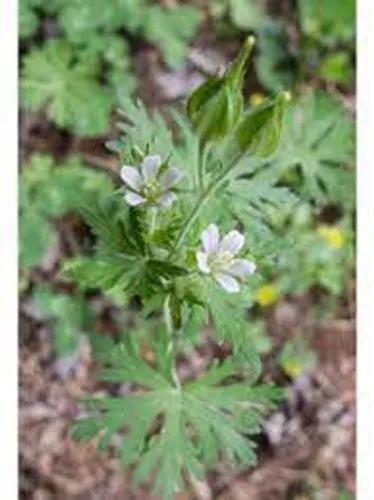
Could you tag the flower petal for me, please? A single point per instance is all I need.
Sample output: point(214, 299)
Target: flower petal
point(134, 199)
point(150, 166)
point(166, 199)
point(210, 239)
point(170, 177)
point(131, 177)
point(202, 262)
point(232, 242)
point(227, 282)
point(241, 268)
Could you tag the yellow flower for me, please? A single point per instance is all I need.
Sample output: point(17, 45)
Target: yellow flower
point(333, 236)
point(266, 295)
point(292, 368)
point(256, 99)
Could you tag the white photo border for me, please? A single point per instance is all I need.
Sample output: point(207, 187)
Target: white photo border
point(9, 249)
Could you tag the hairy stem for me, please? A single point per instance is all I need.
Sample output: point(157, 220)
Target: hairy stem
point(204, 197)
point(202, 158)
point(152, 227)
point(171, 347)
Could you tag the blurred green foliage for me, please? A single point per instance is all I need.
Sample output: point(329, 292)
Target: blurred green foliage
point(66, 83)
point(328, 21)
point(322, 42)
point(84, 69)
point(296, 357)
point(67, 315)
point(317, 154)
point(49, 191)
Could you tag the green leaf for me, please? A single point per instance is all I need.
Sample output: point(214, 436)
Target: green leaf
point(36, 236)
point(48, 191)
point(149, 132)
point(111, 274)
point(80, 20)
point(55, 77)
point(230, 325)
point(28, 18)
point(170, 30)
point(67, 315)
point(143, 130)
point(337, 67)
point(318, 139)
point(329, 21)
point(246, 14)
point(117, 233)
point(170, 429)
point(256, 195)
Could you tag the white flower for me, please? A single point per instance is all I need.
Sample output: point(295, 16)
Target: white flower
point(217, 258)
point(148, 184)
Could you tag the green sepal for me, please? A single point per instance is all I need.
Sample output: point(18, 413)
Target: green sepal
point(259, 131)
point(215, 107)
point(235, 73)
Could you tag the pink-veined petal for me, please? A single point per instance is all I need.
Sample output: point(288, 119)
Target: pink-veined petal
point(170, 177)
point(232, 242)
point(166, 199)
point(150, 167)
point(131, 177)
point(227, 282)
point(210, 239)
point(241, 268)
point(134, 199)
point(202, 262)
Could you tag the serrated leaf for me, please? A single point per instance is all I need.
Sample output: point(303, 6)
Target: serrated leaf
point(145, 131)
point(196, 424)
point(55, 78)
point(318, 138)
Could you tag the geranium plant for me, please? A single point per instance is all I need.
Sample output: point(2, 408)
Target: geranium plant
point(171, 238)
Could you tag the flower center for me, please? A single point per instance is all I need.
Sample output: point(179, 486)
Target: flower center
point(220, 261)
point(151, 191)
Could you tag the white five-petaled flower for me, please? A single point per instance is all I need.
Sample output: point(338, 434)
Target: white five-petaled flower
point(218, 258)
point(148, 184)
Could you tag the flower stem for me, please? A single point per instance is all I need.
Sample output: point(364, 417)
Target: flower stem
point(171, 346)
point(153, 214)
point(202, 156)
point(204, 197)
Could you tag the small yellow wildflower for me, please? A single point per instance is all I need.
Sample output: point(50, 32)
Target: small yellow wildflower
point(332, 235)
point(292, 368)
point(266, 295)
point(256, 99)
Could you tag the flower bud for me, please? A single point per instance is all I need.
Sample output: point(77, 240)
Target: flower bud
point(216, 106)
point(258, 133)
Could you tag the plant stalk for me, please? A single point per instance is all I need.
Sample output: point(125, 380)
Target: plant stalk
point(204, 197)
point(171, 347)
point(153, 220)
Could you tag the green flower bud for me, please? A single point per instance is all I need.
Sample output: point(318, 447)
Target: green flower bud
point(258, 133)
point(215, 107)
